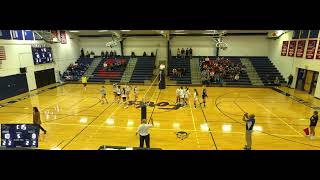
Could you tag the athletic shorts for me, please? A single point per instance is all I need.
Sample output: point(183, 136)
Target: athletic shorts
point(84, 84)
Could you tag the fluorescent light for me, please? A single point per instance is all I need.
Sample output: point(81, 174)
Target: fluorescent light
point(103, 30)
point(74, 31)
point(125, 30)
point(179, 31)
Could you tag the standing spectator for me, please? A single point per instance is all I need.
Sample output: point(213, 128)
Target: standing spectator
point(187, 52)
point(250, 121)
point(313, 124)
point(290, 79)
point(111, 54)
point(82, 52)
point(143, 131)
point(107, 54)
point(144, 54)
point(133, 55)
point(37, 120)
point(102, 54)
point(115, 53)
point(183, 53)
point(87, 54)
point(190, 53)
point(178, 53)
point(152, 55)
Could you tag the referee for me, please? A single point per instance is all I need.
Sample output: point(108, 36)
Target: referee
point(143, 131)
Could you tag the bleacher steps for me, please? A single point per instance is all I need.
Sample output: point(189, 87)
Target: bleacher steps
point(93, 66)
point(252, 73)
point(195, 71)
point(129, 70)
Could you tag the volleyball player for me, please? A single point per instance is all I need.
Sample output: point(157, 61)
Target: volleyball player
point(178, 96)
point(313, 124)
point(186, 95)
point(84, 82)
point(118, 93)
point(181, 94)
point(204, 96)
point(128, 89)
point(195, 98)
point(103, 95)
point(124, 97)
point(135, 92)
point(114, 88)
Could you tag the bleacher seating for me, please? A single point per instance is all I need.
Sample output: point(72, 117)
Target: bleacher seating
point(143, 69)
point(265, 68)
point(243, 76)
point(114, 74)
point(75, 71)
point(177, 63)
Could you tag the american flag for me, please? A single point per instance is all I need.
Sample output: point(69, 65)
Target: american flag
point(2, 53)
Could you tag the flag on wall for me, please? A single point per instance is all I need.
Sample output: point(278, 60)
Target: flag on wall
point(284, 49)
point(2, 53)
point(311, 49)
point(292, 48)
point(28, 35)
point(314, 34)
point(318, 52)
point(296, 34)
point(63, 37)
point(17, 34)
point(300, 48)
point(304, 34)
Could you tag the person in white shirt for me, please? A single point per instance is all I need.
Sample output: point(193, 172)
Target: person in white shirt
point(118, 93)
point(128, 89)
point(103, 95)
point(186, 95)
point(143, 131)
point(124, 97)
point(178, 96)
point(195, 98)
point(135, 92)
point(181, 94)
point(114, 88)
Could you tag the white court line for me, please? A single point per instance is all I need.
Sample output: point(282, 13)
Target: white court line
point(276, 116)
point(194, 124)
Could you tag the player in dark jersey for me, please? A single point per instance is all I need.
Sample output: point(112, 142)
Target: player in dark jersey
point(204, 96)
point(313, 124)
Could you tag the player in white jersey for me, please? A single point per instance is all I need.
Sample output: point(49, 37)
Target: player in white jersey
point(178, 96)
point(128, 89)
point(181, 94)
point(118, 93)
point(195, 98)
point(135, 92)
point(103, 95)
point(114, 88)
point(186, 95)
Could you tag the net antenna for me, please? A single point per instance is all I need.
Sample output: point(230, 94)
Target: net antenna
point(47, 36)
point(116, 38)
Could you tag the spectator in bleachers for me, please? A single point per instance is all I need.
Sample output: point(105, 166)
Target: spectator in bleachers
point(115, 53)
point(82, 52)
point(144, 54)
point(187, 52)
point(87, 54)
point(174, 72)
point(133, 55)
point(277, 81)
point(237, 77)
point(190, 53)
point(152, 55)
point(102, 54)
point(183, 53)
point(178, 53)
point(111, 53)
point(107, 54)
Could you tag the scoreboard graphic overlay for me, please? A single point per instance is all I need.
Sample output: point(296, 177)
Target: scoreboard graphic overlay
point(19, 135)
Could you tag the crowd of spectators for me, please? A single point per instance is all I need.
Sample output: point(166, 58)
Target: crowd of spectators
point(220, 69)
point(75, 71)
point(115, 64)
point(184, 53)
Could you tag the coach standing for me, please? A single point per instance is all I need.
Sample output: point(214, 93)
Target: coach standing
point(250, 121)
point(143, 131)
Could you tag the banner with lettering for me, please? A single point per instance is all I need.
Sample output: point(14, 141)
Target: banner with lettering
point(318, 52)
point(284, 49)
point(311, 49)
point(292, 48)
point(300, 48)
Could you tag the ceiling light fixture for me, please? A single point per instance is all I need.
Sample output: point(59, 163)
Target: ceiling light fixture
point(74, 31)
point(103, 30)
point(125, 30)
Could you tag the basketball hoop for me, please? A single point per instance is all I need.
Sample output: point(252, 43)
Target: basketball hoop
point(47, 36)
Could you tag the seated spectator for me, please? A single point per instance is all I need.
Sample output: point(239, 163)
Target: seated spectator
point(144, 54)
point(237, 77)
point(277, 81)
point(207, 59)
point(133, 55)
point(174, 72)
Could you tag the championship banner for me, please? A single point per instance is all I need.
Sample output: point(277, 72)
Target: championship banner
point(284, 49)
point(311, 49)
point(292, 48)
point(63, 37)
point(318, 52)
point(300, 48)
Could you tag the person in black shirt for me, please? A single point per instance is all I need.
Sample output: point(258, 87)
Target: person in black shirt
point(82, 52)
point(107, 54)
point(152, 55)
point(144, 54)
point(187, 52)
point(290, 79)
point(190, 53)
point(183, 53)
point(204, 96)
point(313, 124)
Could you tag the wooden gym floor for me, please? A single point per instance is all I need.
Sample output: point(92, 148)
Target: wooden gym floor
point(76, 120)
